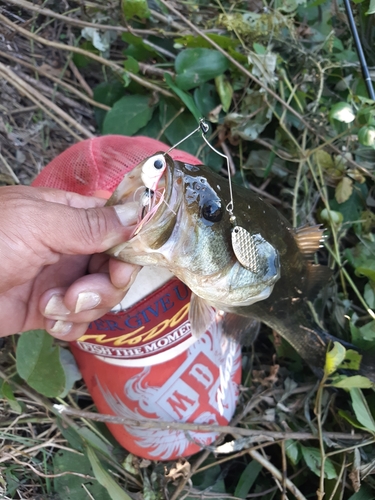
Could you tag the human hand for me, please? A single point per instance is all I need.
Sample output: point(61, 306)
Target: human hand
point(52, 272)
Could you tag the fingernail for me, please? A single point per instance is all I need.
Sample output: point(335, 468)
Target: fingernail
point(128, 214)
point(87, 301)
point(61, 327)
point(56, 307)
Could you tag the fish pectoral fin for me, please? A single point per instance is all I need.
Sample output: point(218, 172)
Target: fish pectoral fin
point(317, 277)
point(243, 329)
point(201, 315)
point(309, 239)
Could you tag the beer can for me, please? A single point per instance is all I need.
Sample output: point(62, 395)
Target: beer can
point(143, 363)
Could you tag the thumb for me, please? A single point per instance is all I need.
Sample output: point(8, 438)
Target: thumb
point(82, 231)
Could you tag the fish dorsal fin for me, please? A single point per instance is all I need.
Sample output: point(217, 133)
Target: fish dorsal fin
point(201, 315)
point(309, 239)
point(317, 277)
point(244, 329)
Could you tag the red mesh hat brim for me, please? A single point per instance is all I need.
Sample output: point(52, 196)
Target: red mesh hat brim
point(99, 164)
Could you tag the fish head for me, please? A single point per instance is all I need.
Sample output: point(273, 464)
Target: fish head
point(184, 226)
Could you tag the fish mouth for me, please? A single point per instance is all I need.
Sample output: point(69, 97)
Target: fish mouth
point(150, 210)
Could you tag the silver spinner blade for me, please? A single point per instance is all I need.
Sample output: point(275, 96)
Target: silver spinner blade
point(245, 249)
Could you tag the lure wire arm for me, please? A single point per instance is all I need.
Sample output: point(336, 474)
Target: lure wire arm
point(182, 140)
point(229, 207)
point(243, 243)
point(204, 129)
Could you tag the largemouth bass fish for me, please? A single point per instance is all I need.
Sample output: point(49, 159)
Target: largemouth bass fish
point(182, 224)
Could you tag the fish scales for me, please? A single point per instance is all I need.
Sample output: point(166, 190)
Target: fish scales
point(190, 234)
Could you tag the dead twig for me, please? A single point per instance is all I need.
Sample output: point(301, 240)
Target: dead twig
point(105, 62)
point(43, 103)
point(56, 95)
point(80, 78)
point(236, 431)
point(277, 474)
point(77, 22)
point(38, 473)
point(9, 169)
point(56, 80)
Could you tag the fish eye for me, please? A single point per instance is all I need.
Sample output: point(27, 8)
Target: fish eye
point(158, 164)
point(212, 211)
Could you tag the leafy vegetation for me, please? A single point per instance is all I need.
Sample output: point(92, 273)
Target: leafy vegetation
point(281, 86)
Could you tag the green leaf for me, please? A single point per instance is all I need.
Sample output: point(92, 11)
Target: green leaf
point(69, 486)
point(334, 358)
point(261, 162)
point(211, 478)
point(196, 66)
point(352, 421)
point(352, 360)
point(253, 117)
point(106, 93)
point(193, 41)
point(225, 91)
point(364, 493)
point(371, 9)
point(206, 98)
point(135, 40)
point(263, 66)
point(362, 258)
point(361, 409)
point(352, 208)
point(313, 461)
point(288, 6)
point(332, 217)
point(95, 441)
point(81, 60)
point(357, 381)
point(342, 112)
point(153, 128)
point(344, 190)
point(180, 127)
point(72, 373)
point(128, 115)
point(247, 479)
point(105, 479)
point(184, 96)
point(367, 331)
point(7, 393)
point(132, 8)
point(366, 269)
point(38, 363)
point(369, 295)
point(366, 136)
point(293, 451)
point(259, 49)
point(131, 64)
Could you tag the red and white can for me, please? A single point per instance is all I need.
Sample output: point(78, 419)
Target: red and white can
point(143, 363)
